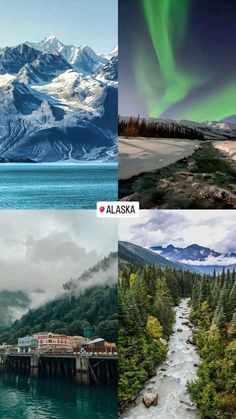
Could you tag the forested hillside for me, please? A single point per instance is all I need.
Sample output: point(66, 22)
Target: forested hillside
point(139, 127)
point(139, 255)
point(214, 314)
point(147, 296)
point(96, 307)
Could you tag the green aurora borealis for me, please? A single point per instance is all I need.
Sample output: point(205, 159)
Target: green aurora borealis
point(162, 81)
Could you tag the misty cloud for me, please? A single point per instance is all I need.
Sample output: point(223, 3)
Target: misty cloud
point(221, 260)
point(210, 228)
point(57, 247)
point(105, 273)
point(41, 250)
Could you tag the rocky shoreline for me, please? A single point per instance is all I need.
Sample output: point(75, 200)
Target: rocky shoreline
point(206, 179)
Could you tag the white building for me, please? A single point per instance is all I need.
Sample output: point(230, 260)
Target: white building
point(26, 344)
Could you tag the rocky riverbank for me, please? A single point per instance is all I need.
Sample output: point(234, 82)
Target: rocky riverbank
point(165, 395)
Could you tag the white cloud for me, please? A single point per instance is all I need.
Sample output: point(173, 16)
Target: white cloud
point(210, 228)
point(211, 260)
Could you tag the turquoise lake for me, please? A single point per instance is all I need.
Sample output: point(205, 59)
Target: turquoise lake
point(26, 398)
point(56, 186)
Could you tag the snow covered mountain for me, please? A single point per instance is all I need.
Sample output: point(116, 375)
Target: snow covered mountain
point(200, 257)
point(52, 109)
point(82, 58)
point(49, 44)
point(133, 253)
point(213, 129)
point(113, 53)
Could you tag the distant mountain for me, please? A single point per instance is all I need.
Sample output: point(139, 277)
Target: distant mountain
point(13, 304)
point(113, 53)
point(82, 59)
point(109, 71)
point(30, 65)
point(57, 103)
point(212, 130)
point(192, 252)
point(202, 258)
point(133, 253)
point(48, 44)
point(105, 271)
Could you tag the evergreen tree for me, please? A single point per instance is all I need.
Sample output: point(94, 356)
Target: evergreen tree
point(214, 389)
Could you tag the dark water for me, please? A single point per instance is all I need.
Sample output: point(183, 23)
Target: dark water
point(59, 186)
point(22, 397)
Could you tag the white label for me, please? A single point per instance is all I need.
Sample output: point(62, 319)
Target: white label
point(117, 209)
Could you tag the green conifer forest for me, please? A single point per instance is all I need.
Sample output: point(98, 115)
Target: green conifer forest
point(147, 296)
point(214, 314)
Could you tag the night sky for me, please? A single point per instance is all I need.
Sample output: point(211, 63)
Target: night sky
point(178, 59)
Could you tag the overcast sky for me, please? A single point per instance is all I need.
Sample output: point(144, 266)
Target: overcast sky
point(79, 22)
point(44, 249)
point(211, 228)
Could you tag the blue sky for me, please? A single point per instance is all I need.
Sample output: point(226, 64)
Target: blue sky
point(78, 22)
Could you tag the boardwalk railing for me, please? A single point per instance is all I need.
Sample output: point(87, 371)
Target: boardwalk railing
point(106, 351)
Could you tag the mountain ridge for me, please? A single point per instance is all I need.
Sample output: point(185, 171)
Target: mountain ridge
point(134, 253)
point(56, 111)
point(89, 300)
point(202, 258)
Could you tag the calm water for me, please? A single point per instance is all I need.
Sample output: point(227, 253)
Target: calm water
point(62, 186)
point(26, 398)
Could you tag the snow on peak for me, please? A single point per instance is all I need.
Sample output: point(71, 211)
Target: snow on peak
point(49, 106)
point(50, 38)
point(50, 44)
point(113, 53)
point(115, 50)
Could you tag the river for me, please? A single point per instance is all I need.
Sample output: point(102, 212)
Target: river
point(26, 398)
point(56, 185)
point(172, 376)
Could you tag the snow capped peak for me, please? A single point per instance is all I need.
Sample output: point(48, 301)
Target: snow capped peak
point(50, 44)
point(89, 51)
point(115, 50)
point(210, 129)
point(85, 48)
point(82, 58)
point(50, 38)
point(202, 258)
point(21, 48)
point(112, 53)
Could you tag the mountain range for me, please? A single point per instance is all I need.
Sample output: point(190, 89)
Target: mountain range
point(194, 258)
point(57, 103)
point(201, 258)
point(135, 254)
point(212, 129)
